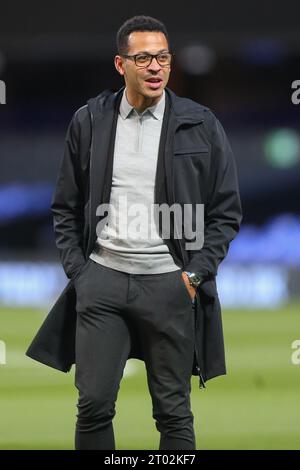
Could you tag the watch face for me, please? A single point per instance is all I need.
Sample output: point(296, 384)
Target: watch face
point(195, 279)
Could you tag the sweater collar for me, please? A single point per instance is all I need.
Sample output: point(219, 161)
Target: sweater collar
point(157, 110)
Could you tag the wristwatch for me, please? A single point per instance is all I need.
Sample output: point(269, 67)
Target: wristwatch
point(194, 278)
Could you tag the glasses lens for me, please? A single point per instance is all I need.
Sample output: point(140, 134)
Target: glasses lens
point(164, 59)
point(142, 60)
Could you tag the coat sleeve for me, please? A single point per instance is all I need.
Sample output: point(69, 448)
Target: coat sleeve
point(222, 212)
point(67, 204)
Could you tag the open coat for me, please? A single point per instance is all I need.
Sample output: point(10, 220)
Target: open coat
point(195, 166)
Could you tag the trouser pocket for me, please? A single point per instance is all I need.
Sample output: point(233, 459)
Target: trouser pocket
point(82, 270)
point(186, 292)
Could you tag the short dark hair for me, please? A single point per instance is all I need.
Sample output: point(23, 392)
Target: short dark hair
point(138, 23)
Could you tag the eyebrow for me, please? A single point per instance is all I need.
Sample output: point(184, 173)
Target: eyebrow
point(147, 52)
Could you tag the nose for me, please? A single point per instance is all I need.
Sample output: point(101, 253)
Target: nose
point(154, 65)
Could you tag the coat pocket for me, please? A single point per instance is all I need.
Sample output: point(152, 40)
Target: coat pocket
point(190, 151)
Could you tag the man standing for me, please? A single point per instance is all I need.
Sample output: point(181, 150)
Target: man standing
point(150, 296)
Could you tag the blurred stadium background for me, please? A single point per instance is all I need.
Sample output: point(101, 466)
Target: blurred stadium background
point(238, 59)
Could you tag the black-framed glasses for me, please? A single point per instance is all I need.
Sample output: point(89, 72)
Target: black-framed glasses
point(144, 60)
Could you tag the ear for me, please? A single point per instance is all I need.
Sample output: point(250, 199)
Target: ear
point(119, 64)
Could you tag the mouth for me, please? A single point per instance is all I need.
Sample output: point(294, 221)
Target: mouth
point(154, 83)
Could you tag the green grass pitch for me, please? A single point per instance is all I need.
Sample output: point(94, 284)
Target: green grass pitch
point(255, 406)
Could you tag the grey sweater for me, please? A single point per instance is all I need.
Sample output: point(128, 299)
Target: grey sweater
point(129, 241)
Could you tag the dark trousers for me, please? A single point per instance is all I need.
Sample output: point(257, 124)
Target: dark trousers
point(157, 310)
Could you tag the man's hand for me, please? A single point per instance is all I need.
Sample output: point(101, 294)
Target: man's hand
point(191, 289)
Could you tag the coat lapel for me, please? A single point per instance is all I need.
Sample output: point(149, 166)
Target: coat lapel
point(164, 190)
point(174, 117)
point(104, 123)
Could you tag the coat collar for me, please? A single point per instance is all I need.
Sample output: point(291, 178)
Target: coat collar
point(184, 110)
